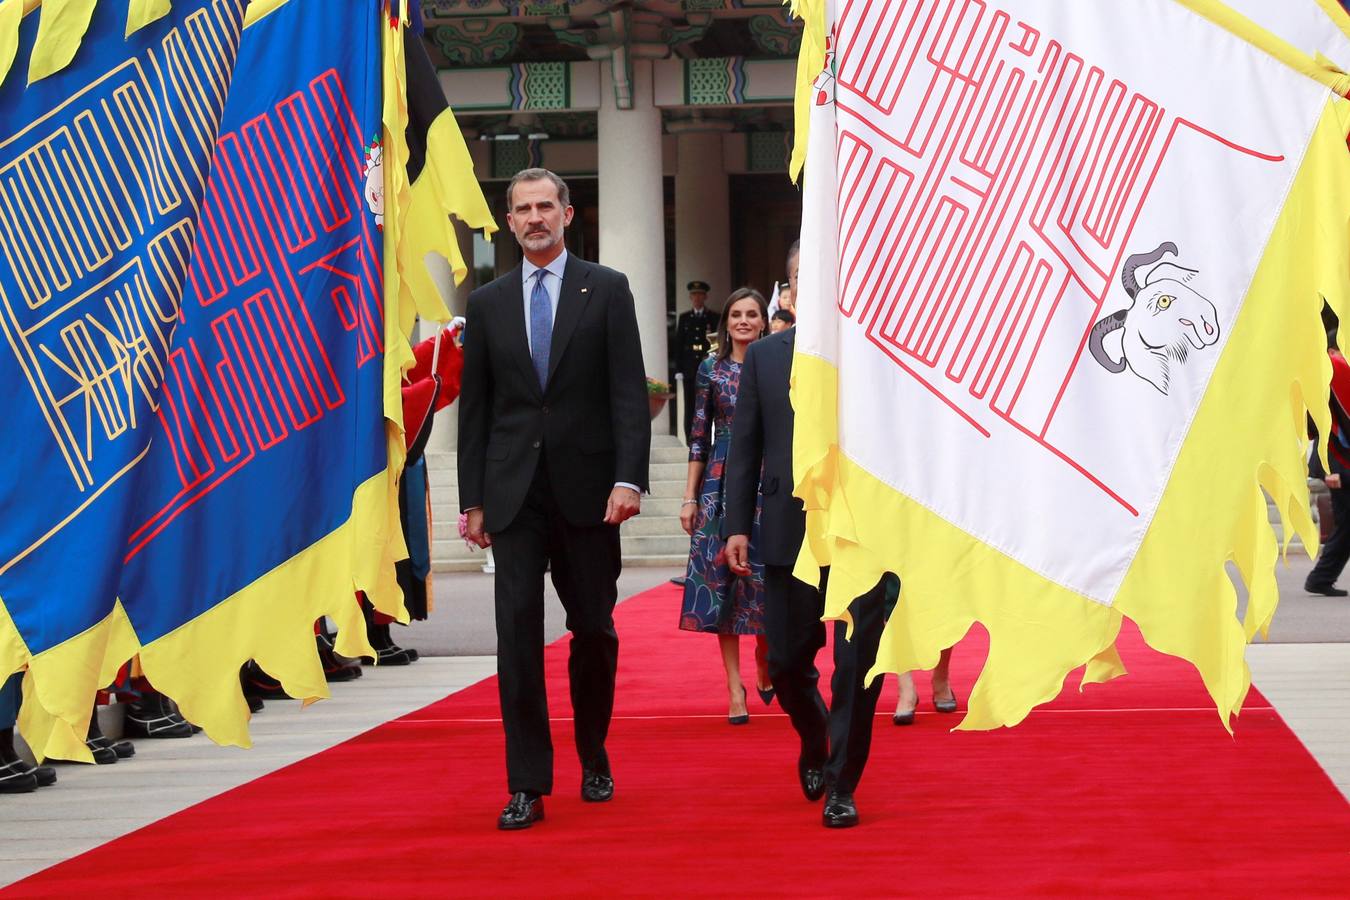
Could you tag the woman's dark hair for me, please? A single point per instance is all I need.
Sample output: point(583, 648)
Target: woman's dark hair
point(723, 337)
point(783, 315)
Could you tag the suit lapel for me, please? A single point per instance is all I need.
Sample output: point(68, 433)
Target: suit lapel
point(513, 297)
point(575, 294)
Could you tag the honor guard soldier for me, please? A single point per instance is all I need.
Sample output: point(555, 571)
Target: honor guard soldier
point(692, 343)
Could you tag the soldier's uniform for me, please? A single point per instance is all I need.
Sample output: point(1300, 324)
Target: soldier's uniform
point(691, 346)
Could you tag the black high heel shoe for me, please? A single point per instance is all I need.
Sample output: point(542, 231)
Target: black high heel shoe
point(945, 706)
point(741, 719)
point(906, 718)
point(766, 694)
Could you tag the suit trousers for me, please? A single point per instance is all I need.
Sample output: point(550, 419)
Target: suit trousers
point(585, 567)
point(795, 634)
point(853, 705)
point(1336, 549)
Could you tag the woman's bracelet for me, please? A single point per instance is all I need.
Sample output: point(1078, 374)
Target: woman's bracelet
point(689, 502)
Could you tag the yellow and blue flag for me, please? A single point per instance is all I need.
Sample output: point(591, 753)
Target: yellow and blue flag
point(105, 148)
point(207, 368)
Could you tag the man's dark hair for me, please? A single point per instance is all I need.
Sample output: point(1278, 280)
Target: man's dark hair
point(783, 315)
point(564, 195)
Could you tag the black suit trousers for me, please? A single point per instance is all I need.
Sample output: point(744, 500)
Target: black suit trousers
point(795, 634)
point(852, 705)
point(585, 567)
point(840, 739)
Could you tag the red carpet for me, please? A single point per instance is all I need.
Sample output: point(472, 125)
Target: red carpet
point(1130, 789)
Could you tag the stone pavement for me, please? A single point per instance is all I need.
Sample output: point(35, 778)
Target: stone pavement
point(1304, 671)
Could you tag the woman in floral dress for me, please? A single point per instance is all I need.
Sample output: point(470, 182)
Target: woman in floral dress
point(716, 600)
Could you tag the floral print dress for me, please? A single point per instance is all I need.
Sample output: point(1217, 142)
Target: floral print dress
point(717, 600)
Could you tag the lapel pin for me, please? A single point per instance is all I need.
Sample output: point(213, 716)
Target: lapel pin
point(585, 290)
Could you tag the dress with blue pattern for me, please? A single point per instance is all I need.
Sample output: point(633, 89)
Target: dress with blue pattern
point(717, 600)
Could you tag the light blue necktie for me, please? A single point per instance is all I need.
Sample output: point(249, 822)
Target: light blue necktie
point(541, 326)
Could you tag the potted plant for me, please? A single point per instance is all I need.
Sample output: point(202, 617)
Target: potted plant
point(658, 392)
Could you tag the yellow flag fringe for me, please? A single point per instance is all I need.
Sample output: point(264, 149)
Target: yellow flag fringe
point(141, 13)
point(61, 29)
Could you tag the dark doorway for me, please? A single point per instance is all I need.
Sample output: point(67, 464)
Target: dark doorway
point(766, 213)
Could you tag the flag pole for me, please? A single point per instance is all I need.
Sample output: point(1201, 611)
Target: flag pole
point(436, 348)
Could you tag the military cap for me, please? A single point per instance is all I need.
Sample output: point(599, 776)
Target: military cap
point(697, 286)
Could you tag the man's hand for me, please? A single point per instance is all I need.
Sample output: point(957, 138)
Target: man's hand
point(1333, 480)
point(738, 553)
point(473, 529)
point(624, 503)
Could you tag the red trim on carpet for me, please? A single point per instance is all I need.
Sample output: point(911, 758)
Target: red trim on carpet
point(1130, 788)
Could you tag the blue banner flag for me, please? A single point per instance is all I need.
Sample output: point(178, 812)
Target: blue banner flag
point(102, 167)
point(195, 357)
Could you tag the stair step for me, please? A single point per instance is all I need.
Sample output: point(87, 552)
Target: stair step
point(664, 545)
point(674, 471)
point(655, 560)
point(655, 507)
point(669, 455)
point(646, 524)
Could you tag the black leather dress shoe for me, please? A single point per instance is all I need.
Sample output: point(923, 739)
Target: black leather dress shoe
point(812, 779)
point(596, 787)
point(1326, 590)
point(522, 812)
point(840, 811)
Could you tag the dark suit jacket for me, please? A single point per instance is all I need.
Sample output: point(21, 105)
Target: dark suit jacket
point(761, 433)
point(591, 421)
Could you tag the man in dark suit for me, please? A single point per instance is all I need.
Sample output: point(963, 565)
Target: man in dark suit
point(692, 344)
point(834, 745)
point(554, 438)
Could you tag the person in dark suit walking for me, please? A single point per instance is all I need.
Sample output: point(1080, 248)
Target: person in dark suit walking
point(554, 439)
point(834, 744)
point(692, 344)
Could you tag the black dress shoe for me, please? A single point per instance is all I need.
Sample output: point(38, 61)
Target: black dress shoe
point(840, 811)
point(522, 812)
point(1326, 590)
point(255, 704)
point(596, 787)
point(45, 775)
point(812, 779)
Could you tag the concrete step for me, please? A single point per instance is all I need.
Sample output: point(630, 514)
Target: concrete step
point(648, 524)
point(667, 488)
point(458, 565)
point(678, 454)
point(672, 471)
point(655, 560)
point(665, 545)
point(662, 506)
